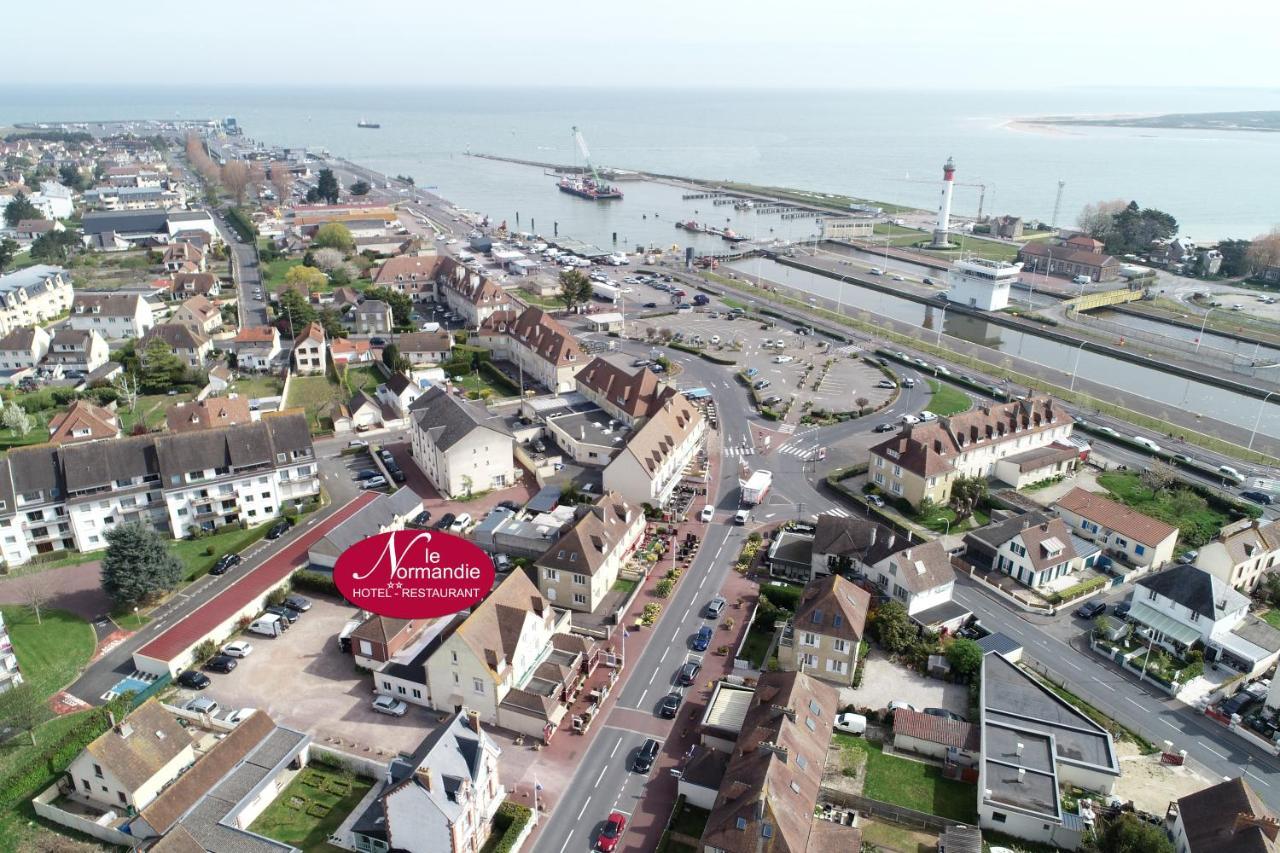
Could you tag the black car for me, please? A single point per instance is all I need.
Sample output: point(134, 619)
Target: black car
point(1091, 609)
point(647, 755)
point(1257, 497)
point(298, 602)
point(945, 714)
point(669, 705)
point(377, 342)
point(445, 520)
point(423, 518)
point(288, 614)
point(221, 663)
point(688, 673)
point(278, 529)
point(511, 505)
point(1121, 610)
point(651, 305)
point(397, 475)
point(193, 680)
point(885, 427)
point(225, 563)
point(367, 474)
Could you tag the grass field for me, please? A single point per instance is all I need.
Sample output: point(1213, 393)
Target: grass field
point(947, 399)
point(232, 540)
point(150, 410)
point(1181, 507)
point(293, 817)
point(111, 271)
point(478, 383)
point(366, 378)
point(315, 394)
point(907, 783)
point(256, 385)
point(50, 653)
point(273, 272)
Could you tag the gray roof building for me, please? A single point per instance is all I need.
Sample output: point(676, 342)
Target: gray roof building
point(448, 419)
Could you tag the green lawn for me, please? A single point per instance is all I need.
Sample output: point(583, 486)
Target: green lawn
point(273, 272)
point(1272, 618)
point(366, 377)
point(947, 399)
point(542, 301)
point(150, 410)
point(757, 644)
point(305, 815)
point(257, 385)
point(50, 653)
point(624, 585)
point(192, 552)
point(690, 820)
point(1184, 509)
point(476, 383)
point(315, 394)
point(908, 783)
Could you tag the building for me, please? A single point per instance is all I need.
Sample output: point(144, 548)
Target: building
point(209, 413)
point(398, 393)
point(10, 674)
point(630, 396)
point(848, 543)
point(185, 342)
point(1034, 549)
point(940, 738)
point(55, 200)
point(347, 351)
point(472, 296)
point(257, 347)
point(29, 230)
point(543, 349)
point(185, 221)
point(1184, 607)
point(23, 348)
point(412, 274)
point(847, 229)
point(981, 283)
point(1228, 816)
point(1034, 744)
point(459, 446)
point(309, 350)
point(380, 638)
point(126, 767)
point(921, 578)
point(78, 349)
point(183, 257)
point(33, 296)
point(1006, 227)
point(581, 567)
point(186, 284)
point(1068, 260)
point(442, 799)
point(200, 314)
point(1059, 459)
point(425, 347)
point(112, 314)
point(66, 497)
point(373, 317)
point(823, 636)
point(1140, 540)
point(83, 421)
point(383, 514)
point(651, 465)
point(360, 413)
point(1243, 553)
point(923, 460)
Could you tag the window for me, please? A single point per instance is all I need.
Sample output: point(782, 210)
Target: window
point(386, 685)
point(579, 598)
point(999, 817)
point(809, 638)
point(453, 657)
point(897, 470)
point(897, 488)
point(817, 617)
point(580, 580)
point(97, 770)
point(1139, 550)
point(366, 648)
point(87, 786)
point(1151, 595)
point(477, 685)
point(400, 689)
point(417, 694)
point(552, 575)
point(841, 645)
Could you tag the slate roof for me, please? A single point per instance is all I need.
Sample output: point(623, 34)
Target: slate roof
point(492, 631)
point(637, 392)
point(1212, 820)
point(1195, 589)
point(1129, 523)
point(598, 533)
point(448, 419)
point(833, 606)
point(920, 567)
point(994, 535)
point(176, 335)
point(842, 536)
point(373, 306)
point(437, 341)
point(107, 303)
point(141, 745)
point(451, 755)
point(408, 268)
point(126, 221)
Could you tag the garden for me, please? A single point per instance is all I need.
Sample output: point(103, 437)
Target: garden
point(312, 806)
point(1155, 493)
point(947, 399)
point(911, 784)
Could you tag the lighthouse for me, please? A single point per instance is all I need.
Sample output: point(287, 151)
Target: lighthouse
point(944, 211)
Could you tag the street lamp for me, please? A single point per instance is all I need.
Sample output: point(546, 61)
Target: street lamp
point(1258, 419)
point(1076, 366)
point(941, 320)
point(840, 294)
point(1204, 323)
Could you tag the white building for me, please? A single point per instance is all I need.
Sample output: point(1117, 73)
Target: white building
point(114, 315)
point(980, 283)
point(23, 348)
point(459, 446)
point(1243, 553)
point(54, 200)
point(80, 349)
point(10, 675)
point(309, 350)
point(921, 579)
point(32, 296)
point(1138, 539)
point(651, 465)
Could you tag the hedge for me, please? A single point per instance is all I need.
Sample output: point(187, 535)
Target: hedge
point(54, 757)
point(241, 223)
point(1079, 589)
point(314, 581)
point(784, 597)
point(510, 820)
point(498, 377)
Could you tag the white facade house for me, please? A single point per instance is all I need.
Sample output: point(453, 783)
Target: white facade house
point(32, 296)
point(981, 283)
point(920, 577)
point(1243, 553)
point(651, 465)
point(114, 315)
point(23, 348)
point(310, 351)
point(75, 349)
point(10, 674)
point(1138, 539)
point(126, 767)
point(459, 446)
point(54, 200)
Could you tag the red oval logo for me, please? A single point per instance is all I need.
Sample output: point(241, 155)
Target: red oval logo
point(414, 574)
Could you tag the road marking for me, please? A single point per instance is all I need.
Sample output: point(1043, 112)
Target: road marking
point(1214, 751)
point(1171, 725)
point(651, 675)
point(1108, 686)
point(704, 580)
point(1258, 778)
point(664, 654)
point(584, 808)
point(1133, 703)
point(686, 616)
point(1072, 665)
point(566, 844)
point(615, 748)
point(601, 776)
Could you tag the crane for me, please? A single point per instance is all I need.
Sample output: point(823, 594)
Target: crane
point(982, 195)
point(586, 155)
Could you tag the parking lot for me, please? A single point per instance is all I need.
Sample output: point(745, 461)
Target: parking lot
point(315, 687)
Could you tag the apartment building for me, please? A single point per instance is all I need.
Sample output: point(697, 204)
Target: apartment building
point(23, 348)
point(114, 315)
point(651, 465)
point(822, 638)
point(459, 446)
point(200, 314)
point(630, 396)
point(10, 674)
point(472, 296)
point(32, 296)
point(542, 348)
point(581, 567)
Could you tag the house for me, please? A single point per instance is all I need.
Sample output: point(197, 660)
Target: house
point(1059, 459)
point(33, 296)
point(843, 543)
point(126, 767)
point(10, 675)
point(791, 554)
point(256, 347)
point(630, 396)
point(309, 350)
point(1007, 227)
point(183, 341)
point(425, 347)
point(196, 284)
point(473, 297)
point(114, 315)
point(442, 799)
point(27, 230)
point(1228, 816)
point(1068, 261)
point(379, 638)
point(184, 257)
point(360, 413)
point(768, 795)
point(1034, 549)
point(939, 738)
point(347, 351)
point(920, 577)
point(925, 459)
point(460, 447)
point(544, 349)
point(398, 393)
point(1138, 539)
point(412, 274)
point(650, 466)
point(179, 221)
point(1184, 606)
point(823, 636)
point(1034, 744)
point(199, 314)
point(78, 350)
point(582, 566)
point(372, 317)
point(383, 514)
point(23, 347)
point(209, 413)
point(1243, 553)
point(83, 421)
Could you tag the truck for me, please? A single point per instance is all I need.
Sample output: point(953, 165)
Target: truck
point(605, 291)
point(269, 625)
point(755, 487)
point(701, 299)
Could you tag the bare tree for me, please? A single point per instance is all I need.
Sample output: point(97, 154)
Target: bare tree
point(36, 591)
point(281, 181)
point(1264, 251)
point(1095, 219)
point(328, 259)
point(127, 387)
point(257, 176)
point(235, 177)
point(1157, 476)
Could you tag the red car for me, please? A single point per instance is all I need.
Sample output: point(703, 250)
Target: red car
point(613, 828)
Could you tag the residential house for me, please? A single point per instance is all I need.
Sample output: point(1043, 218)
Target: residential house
point(200, 314)
point(184, 257)
point(1008, 227)
point(823, 636)
point(33, 296)
point(373, 317)
point(257, 347)
point(83, 421)
point(1034, 549)
point(1068, 261)
point(72, 349)
point(209, 413)
point(1228, 816)
point(923, 460)
point(412, 274)
point(185, 342)
point(460, 447)
point(23, 347)
point(425, 347)
point(380, 638)
point(1184, 607)
point(1138, 539)
point(939, 738)
point(399, 393)
point(630, 396)
point(309, 350)
point(544, 349)
point(848, 543)
point(114, 315)
point(1243, 554)
point(921, 578)
point(1056, 460)
point(28, 230)
point(442, 799)
point(347, 351)
point(361, 412)
point(127, 767)
point(187, 284)
point(470, 295)
point(1035, 745)
point(10, 674)
point(346, 297)
point(580, 569)
point(651, 465)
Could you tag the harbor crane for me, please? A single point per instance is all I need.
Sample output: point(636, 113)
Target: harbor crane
point(982, 188)
point(586, 155)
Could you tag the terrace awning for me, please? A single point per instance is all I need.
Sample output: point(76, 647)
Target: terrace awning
point(1166, 625)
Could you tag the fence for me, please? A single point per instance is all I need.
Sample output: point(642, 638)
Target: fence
point(1172, 345)
point(44, 806)
point(900, 815)
point(359, 765)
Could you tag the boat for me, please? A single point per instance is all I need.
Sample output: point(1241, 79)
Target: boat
point(690, 225)
point(372, 125)
point(589, 189)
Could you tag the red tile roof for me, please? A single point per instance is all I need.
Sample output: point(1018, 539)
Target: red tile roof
point(938, 730)
point(1129, 523)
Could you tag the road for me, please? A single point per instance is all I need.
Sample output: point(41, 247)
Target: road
point(246, 274)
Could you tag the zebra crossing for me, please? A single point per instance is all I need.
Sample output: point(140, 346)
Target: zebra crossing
point(732, 452)
point(838, 512)
point(787, 428)
point(797, 449)
point(849, 349)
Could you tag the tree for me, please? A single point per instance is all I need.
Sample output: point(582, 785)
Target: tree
point(360, 188)
point(331, 320)
point(333, 235)
point(281, 181)
point(161, 368)
point(235, 177)
point(54, 246)
point(327, 259)
point(70, 175)
point(1264, 251)
point(1235, 258)
point(327, 186)
point(295, 308)
point(892, 627)
point(126, 386)
point(392, 358)
point(17, 419)
point(36, 590)
point(467, 484)
point(138, 564)
point(1135, 228)
point(1096, 219)
point(1157, 476)
point(23, 708)
point(966, 494)
point(575, 288)
point(312, 196)
point(305, 278)
point(8, 251)
point(965, 657)
point(1127, 834)
point(401, 303)
point(20, 208)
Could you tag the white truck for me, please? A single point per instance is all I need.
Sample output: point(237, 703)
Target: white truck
point(605, 291)
point(755, 487)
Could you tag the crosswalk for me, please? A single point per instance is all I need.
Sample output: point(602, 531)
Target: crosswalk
point(733, 452)
point(838, 512)
point(787, 428)
point(848, 349)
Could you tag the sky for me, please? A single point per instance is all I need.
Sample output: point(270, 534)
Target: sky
point(912, 44)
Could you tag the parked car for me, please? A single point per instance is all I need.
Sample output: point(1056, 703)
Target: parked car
point(708, 513)
point(715, 607)
point(1091, 609)
point(875, 500)
point(225, 563)
point(887, 427)
point(377, 342)
point(514, 506)
point(761, 384)
point(1121, 610)
point(1257, 497)
point(238, 649)
point(898, 705)
point(299, 603)
point(278, 529)
point(355, 443)
point(396, 474)
point(702, 639)
point(445, 521)
point(772, 401)
point(688, 673)
point(422, 518)
point(651, 305)
point(374, 482)
point(203, 705)
point(886, 383)
point(461, 523)
point(288, 614)
point(193, 680)
point(945, 714)
point(366, 474)
point(387, 458)
point(669, 705)
point(1188, 557)
point(390, 705)
point(607, 841)
point(854, 724)
point(782, 359)
point(647, 755)
point(220, 663)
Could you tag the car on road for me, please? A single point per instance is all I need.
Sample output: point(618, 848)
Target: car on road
point(238, 649)
point(1121, 610)
point(876, 271)
point(716, 606)
point(945, 714)
point(886, 427)
point(640, 362)
point(854, 724)
point(374, 482)
point(1257, 497)
point(220, 663)
point(193, 680)
point(377, 342)
point(875, 500)
point(278, 529)
point(927, 416)
point(688, 673)
point(390, 706)
point(203, 705)
point(651, 305)
point(225, 563)
point(670, 705)
point(1090, 609)
point(928, 280)
point(782, 359)
point(611, 833)
point(299, 603)
point(1106, 430)
point(355, 443)
point(910, 419)
point(708, 513)
point(647, 755)
point(897, 277)
point(702, 639)
point(445, 521)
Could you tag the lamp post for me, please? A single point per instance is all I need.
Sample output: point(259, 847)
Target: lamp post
point(941, 320)
point(1076, 366)
point(840, 294)
point(1204, 323)
point(1258, 419)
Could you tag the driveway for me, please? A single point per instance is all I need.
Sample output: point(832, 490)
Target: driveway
point(884, 681)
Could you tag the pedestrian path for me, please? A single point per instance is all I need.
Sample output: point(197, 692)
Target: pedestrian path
point(732, 452)
point(798, 449)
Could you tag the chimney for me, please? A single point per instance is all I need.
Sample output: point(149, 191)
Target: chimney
point(1269, 825)
point(424, 776)
point(1017, 749)
point(473, 720)
point(776, 749)
point(1022, 774)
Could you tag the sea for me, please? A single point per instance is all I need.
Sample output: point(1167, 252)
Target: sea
point(879, 145)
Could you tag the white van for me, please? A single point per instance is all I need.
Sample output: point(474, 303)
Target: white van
point(742, 516)
point(1083, 279)
point(268, 625)
point(1230, 473)
point(1147, 443)
point(908, 382)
